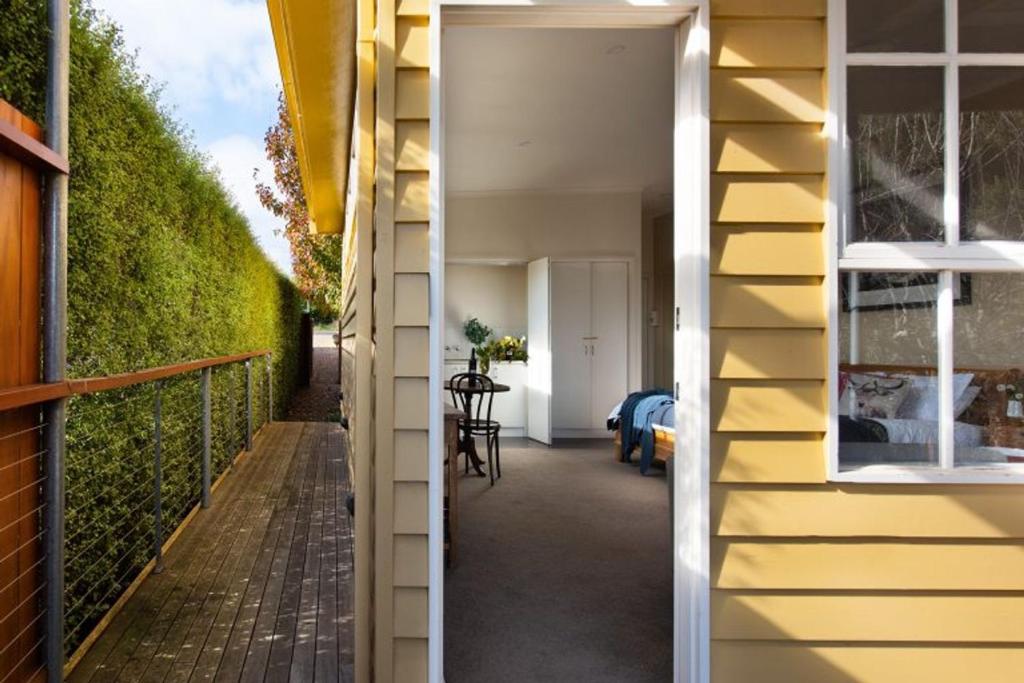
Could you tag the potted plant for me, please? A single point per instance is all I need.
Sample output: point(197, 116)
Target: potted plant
point(477, 333)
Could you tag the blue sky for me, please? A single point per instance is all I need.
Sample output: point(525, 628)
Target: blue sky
point(216, 62)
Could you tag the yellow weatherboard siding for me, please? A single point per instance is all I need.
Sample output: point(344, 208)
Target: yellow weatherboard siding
point(813, 581)
point(775, 662)
point(740, 249)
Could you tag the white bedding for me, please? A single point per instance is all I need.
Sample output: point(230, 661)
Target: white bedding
point(927, 431)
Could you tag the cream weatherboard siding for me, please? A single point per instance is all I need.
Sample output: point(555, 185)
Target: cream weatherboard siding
point(814, 581)
point(402, 317)
point(358, 344)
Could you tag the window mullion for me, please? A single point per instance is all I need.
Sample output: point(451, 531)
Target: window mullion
point(944, 325)
point(951, 203)
point(951, 210)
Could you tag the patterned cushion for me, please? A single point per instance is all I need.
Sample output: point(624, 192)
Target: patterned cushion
point(873, 396)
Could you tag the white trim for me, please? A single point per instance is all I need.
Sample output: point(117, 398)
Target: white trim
point(944, 333)
point(692, 353)
point(932, 255)
point(691, 557)
point(435, 436)
point(835, 222)
point(933, 59)
point(947, 257)
point(1012, 473)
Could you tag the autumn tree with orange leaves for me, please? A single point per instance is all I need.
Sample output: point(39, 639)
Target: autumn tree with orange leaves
point(316, 259)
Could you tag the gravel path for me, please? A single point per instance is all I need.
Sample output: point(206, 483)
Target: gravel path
point(319, 401)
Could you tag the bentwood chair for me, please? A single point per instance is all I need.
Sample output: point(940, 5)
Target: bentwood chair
point(474, 394)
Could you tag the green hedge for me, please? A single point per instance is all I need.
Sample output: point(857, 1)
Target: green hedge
point(162, 268)
point(161, 265)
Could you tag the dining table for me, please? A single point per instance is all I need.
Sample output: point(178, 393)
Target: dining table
point(467, 444)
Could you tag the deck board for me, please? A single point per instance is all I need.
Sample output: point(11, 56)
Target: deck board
point(255, 588)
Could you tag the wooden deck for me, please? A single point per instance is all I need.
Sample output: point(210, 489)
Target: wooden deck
point(258, 587)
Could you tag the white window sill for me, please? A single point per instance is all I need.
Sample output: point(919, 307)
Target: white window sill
point(1009, 473)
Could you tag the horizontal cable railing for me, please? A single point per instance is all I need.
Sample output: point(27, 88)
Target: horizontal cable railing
point(143, 452)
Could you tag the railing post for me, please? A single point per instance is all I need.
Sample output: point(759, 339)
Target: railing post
point(158, 522)
point(270, 388)
point(55, 324)
point(248, 405)
point(207, 439)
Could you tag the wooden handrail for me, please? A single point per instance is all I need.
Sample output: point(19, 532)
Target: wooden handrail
point(19, 397)
point(27, 149)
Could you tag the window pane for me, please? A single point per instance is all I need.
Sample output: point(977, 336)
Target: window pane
point(987, 325)
point(991, 26)
point(886, 26)
point(895, 125)
point(992, 153)
point(888, 393)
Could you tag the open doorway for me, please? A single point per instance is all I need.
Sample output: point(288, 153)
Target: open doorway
point(559, 158)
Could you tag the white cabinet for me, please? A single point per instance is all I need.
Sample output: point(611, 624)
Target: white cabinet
point(510, 408)
point(589, 344)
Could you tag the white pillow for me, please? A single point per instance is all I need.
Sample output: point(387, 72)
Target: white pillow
point(922, 402)
point(966, 399)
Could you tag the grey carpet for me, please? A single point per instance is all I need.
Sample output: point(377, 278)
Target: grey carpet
point(564, 571)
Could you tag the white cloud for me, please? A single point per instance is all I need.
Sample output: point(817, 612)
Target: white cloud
point(236, 157)
point(216, 62)
point(202, 50)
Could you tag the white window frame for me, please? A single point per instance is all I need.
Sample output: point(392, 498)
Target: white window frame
point(946, 258)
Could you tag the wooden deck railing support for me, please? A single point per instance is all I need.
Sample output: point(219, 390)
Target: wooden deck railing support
point(248, 405)
point(158, 475)
point(54, 396)
point(204, 498)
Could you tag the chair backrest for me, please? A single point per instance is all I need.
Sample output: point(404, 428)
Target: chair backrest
point(473, 393)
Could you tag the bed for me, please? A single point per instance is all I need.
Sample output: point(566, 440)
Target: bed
point(905, 432)
point(644, 421)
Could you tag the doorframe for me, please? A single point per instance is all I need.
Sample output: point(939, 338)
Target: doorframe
point(691, 346)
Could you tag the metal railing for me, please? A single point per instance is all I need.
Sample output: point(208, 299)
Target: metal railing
point(142, 453)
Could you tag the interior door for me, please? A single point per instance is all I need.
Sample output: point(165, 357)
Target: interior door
point(538, 339)
point(609, 327)
point(570, 329)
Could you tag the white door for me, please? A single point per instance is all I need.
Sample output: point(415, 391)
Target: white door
point(570, 345)
point(609, 327)
point(538, 340)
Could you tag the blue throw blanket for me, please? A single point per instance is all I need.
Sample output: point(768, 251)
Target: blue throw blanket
point(637, 419)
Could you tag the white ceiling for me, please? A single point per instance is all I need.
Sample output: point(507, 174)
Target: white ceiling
point(559, 109)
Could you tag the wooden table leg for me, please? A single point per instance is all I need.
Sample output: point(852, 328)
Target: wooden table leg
point(452, 446)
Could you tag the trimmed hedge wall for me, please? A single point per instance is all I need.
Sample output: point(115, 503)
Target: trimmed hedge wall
point(162, 268)
point(161, 265)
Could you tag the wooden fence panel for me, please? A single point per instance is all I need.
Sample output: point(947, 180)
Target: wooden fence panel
point(20, 460)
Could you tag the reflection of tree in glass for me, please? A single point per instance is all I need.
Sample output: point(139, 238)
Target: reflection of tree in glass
point(992, 175)
point(897, 174)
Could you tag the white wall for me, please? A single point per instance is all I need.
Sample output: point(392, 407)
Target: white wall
point(987, 331)
point(496, 295)
point(520, 227)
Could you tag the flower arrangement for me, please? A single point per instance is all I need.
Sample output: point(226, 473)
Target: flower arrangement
point(506, 348)
point(1014, 407)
